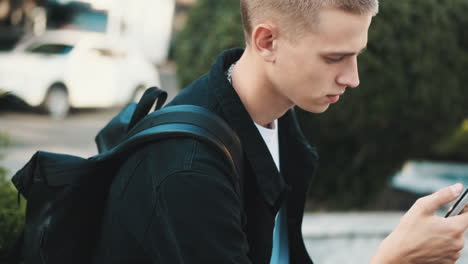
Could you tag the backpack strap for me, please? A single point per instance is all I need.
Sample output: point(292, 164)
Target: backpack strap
point(182, 121)
point(117, 129)
point(146, 102)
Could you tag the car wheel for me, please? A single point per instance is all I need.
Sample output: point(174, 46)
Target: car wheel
point(56, 102)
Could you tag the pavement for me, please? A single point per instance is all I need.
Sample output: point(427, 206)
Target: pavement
point(350, 238)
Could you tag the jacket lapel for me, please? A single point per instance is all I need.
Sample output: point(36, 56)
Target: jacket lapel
point(299, 159)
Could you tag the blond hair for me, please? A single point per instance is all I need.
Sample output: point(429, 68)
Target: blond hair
point(297, 16)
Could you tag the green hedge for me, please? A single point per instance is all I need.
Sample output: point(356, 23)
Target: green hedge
point(455, 147)
point(11, 214)
point(411, 97)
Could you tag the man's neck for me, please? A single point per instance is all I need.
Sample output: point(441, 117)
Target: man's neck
point(262, 101)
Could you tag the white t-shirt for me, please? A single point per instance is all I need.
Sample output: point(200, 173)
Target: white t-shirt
point(270, 136)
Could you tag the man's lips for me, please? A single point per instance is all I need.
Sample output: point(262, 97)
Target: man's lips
point(334, 98)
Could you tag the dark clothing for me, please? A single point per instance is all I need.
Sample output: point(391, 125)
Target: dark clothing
point(177, 201)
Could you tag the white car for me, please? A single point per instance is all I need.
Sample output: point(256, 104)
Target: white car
point(66, 68)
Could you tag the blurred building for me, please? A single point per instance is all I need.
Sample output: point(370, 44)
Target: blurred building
point(146, 23)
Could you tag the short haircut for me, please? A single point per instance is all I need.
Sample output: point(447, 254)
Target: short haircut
point(297, 16)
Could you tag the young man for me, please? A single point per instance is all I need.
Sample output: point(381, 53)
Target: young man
point(178, 201)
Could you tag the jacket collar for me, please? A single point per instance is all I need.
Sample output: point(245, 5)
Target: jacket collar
point(269, 181)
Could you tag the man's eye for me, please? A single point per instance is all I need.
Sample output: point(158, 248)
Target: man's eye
point(334, 59)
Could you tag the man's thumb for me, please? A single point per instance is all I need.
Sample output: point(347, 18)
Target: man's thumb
point(441, 197)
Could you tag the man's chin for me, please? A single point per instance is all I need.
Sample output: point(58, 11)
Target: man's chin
point(316, 109)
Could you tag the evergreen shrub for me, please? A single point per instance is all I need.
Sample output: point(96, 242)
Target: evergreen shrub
point(11, 214)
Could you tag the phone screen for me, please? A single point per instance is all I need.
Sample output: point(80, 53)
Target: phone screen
point(459, 205)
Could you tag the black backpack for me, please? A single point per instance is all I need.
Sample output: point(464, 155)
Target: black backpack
point(66, 195)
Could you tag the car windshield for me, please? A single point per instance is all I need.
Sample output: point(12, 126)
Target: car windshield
point(50, 49)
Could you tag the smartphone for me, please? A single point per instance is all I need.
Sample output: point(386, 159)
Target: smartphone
point(459, 205)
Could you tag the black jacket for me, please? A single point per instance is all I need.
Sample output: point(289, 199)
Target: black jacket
point(176, 201)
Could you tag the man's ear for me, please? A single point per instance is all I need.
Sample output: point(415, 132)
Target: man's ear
point(264, 40)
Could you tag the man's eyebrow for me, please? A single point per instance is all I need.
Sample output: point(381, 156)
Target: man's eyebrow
point(345, 53)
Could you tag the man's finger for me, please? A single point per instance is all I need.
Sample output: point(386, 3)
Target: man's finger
point(432, 202)
point(461, 219)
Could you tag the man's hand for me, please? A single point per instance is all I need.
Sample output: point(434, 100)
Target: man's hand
point(423, 237)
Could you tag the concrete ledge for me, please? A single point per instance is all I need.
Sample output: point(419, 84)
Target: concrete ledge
point(353, 224)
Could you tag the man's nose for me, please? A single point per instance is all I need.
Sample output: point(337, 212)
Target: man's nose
point(350, 75)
